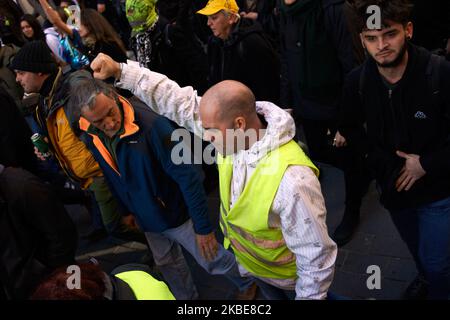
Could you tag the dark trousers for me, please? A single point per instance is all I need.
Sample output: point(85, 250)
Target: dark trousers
point(426, 232)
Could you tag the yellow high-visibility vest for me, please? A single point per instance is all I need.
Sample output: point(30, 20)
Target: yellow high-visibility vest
point(145, 287)
point(258, 248)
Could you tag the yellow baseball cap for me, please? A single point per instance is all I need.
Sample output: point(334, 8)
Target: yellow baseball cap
point(214, 6)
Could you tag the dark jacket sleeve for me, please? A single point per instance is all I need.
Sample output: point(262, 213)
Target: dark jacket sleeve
point(351, 121)
point(351, 115)
point(267, 16)
point(337, 27)
point(189, 177)
point(286, 98)
point(438, 163)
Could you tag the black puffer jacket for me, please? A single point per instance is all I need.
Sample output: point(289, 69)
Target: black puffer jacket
point(249, 57)
point(407, 119)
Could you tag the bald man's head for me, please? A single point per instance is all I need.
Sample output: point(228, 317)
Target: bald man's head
point(227, 100)
point(229, 108)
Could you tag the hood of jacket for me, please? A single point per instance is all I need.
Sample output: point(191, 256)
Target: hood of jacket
point(280, 130)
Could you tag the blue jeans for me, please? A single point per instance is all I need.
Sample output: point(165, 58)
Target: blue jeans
point(426, 231)
point(271, 292)
point(169, 258)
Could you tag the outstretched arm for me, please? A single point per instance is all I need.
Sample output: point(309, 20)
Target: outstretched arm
point(161, 94)
point(55, 19)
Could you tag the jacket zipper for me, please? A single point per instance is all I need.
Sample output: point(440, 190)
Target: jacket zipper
point(394, 118)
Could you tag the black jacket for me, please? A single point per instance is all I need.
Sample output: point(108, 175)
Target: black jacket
point(409, 121)
point(36, 233)
point(317, 59)
point(249, 57)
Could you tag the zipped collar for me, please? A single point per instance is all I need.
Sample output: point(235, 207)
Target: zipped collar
point(49, 90)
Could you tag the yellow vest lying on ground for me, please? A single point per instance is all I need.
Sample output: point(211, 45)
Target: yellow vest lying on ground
point(145, 287)
point(258, 248)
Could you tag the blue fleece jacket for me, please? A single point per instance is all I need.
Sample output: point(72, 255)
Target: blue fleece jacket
point(161, 194)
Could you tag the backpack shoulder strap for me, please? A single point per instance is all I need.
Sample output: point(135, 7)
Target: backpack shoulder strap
point(433, 76)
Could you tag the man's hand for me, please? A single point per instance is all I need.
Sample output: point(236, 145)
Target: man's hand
point(410, 173)
point(105, 67)
point(39, 155)
point(208, 245)
point(51, 14)
point(339, 141)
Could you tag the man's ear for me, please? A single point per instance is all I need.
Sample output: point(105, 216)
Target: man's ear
point(233, 18)
point(240, 123)
point(409, 30)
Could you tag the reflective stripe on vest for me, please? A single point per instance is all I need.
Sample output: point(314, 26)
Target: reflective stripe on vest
point(145, 287)
point(259, 248)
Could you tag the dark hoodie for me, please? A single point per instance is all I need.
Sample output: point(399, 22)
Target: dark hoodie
point(249, 57)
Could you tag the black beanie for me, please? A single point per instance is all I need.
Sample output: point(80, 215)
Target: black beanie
point(36, 57)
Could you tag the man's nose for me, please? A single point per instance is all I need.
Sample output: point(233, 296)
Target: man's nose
point(382, 44)
point(108, 124)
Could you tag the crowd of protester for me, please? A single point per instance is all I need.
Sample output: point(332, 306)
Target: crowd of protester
point(103, 85)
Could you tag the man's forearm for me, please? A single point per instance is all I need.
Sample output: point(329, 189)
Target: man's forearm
point(162, 95)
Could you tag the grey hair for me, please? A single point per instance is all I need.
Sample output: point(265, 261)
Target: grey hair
point(84, 90)
point(228, 13)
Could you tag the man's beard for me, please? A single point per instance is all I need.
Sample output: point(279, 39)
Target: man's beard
point(397, 61)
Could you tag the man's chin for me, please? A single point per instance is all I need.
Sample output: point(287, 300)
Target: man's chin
point(395, 61)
